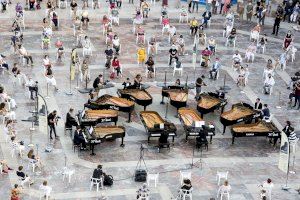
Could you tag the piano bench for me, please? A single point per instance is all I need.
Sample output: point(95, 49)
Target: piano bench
point(163, 145)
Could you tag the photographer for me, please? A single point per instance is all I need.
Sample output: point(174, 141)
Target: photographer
point(33, 88)
point(52, 121)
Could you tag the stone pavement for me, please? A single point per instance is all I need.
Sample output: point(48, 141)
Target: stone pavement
point(249, 161)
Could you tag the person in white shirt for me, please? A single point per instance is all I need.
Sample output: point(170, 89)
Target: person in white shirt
point(237, 60)
point(268, 186)
point(86, 44)
point(116, 44)
point(32, 86)
point(250, 51)
point(23, 52)
point(45, 189)
point(225, 188)
point(6, 98)
point(268, 83)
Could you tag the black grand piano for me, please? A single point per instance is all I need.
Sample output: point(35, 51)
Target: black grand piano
point(261, 128)
point(110, 102)
point(94, 117)
point(208, 102)
point(193, 124)
point(155, 125)
point(139, 96)
point(240, 112)
point(177, 94)
point(99, 134)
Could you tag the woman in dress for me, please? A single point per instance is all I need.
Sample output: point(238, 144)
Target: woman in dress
point(287, 40)
point(142, 55)
point(50, 77)
point(116, 44)
point(85, 70)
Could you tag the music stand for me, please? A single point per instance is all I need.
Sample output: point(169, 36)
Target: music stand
point(141, 159)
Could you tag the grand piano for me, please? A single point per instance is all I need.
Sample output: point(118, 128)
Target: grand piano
point(94, 117)
point(240, 112)
point(208, 102)
point(177, 94)
point(139, 96)
point(261, 128)
point(99, 134)
point(193, 124)
point(110, 102)
point(155, 125)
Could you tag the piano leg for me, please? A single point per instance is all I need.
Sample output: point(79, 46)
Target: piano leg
point(92, 146)
point(162, 100)
point(148, 139)
point(210, 139)
point(224, 129)
point(232, 140)
point(115, 123)
point(173, 138)
point(202, 115)
point(186, 137)
point(222, 109)
point(129, 117)
point(145, 108)
point(122, 144)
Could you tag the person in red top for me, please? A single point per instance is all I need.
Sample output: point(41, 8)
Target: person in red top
point(205, 56)
point(116, 65)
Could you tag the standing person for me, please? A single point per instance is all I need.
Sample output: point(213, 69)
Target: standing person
point(240, 9)
point(222, 6)
point(189, 2)
point(227, 6)
point(33, 89)
point(214, 4)
point(85, 71)
point(297, 94)
point(199, 84)
point(196, 4)
point(249, 11)
point(276, 24)
point(46, 189)
point(52, 120)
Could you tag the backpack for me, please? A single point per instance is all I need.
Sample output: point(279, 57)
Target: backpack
point(108, 180)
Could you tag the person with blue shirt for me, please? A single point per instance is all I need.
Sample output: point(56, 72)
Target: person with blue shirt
point(215, 69)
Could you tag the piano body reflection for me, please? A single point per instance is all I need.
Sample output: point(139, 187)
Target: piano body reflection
point(110, 102)
point(94, 117)
point(208, 102)
point(240, 112)
point(99, 134)
point(261, 128)
point(139, 96)
point(193, 124)
point(155, 125)
point(177, 94)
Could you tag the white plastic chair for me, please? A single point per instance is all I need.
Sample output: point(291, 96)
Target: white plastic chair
point(64, 3)
point(1, 168)
point(183, 18)
point(221, 175)
point(32, 164)
point(185, 194)
point(137, 39)
point(67, 173)
point(185, 175)
point(254, 35)
point(153, 177)
point(149, 48)
point(223, 194)
point(86, 51)
point(176, 69)
point(96, 182)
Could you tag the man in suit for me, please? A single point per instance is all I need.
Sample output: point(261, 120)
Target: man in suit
point(265, 112)
point(79, 138)
point(70, 119)
point(258, 104)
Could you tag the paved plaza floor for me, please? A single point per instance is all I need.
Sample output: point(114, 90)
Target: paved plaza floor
point(250, 161)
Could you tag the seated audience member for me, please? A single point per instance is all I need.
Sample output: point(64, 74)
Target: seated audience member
point(6, 98)
point(250, 51)
point(23, 52)
point(137, 81)
point(237, 60)
point(224, 188)
point(18, 146)
point(194, 26)
point(143, 191)
point(5, 167)
point(116, 44)
point(33, 158)
point(181, 45)
point(206, 53)
point(15, 193)
point(109, 52)
point(215, 69)
point(177, 82)
point(206, 17)
point(187, 185)
point(142, 55)
point(116, 66)
point(70, 119)
point(98, 173)
point(24, 177)
point(10, 115)
point(45, 188)
point(3, 63)
point(150, 66)
point(79, 138)
point(212, 44)
point(173, 52)
point(268, 84)
point(265, 112)
point(231, 37)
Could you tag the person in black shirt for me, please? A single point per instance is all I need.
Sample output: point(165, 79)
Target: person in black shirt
point(276, 24)
point(24, 177)
point(265, 112)
point(79, 138)
point(150, 66)
point(109, 55)
point(258, 104)
point(70, 119)
point(52, 119)
point(126, 83)
point(173, 54)
point(98, 81)
point(187, 185)
point(98, 173)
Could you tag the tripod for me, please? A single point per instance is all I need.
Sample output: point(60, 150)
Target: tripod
point(141, 159)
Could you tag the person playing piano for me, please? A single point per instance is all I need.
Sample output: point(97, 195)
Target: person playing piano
point(126, 83)
point(98, 81)
point(258, 104)
point(177, 82)
point(265, 112)
point(70, 119)
point(79, 138)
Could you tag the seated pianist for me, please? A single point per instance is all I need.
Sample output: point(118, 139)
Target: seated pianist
point(265, 112)
point(201, 140)
point(177, 82)
point(98, 82)
point(70, 119)
point(79, 138)
point(163, 140)
point(126, 83)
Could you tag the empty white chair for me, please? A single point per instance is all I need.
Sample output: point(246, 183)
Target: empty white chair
point(64, 3)
point(185, 175)
point(153, 177)
point(67, 173)
point(96, 182)
point(184, 17)
point(221, 175)
point(153, 2)
point(254, 35)
point(177, 68)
